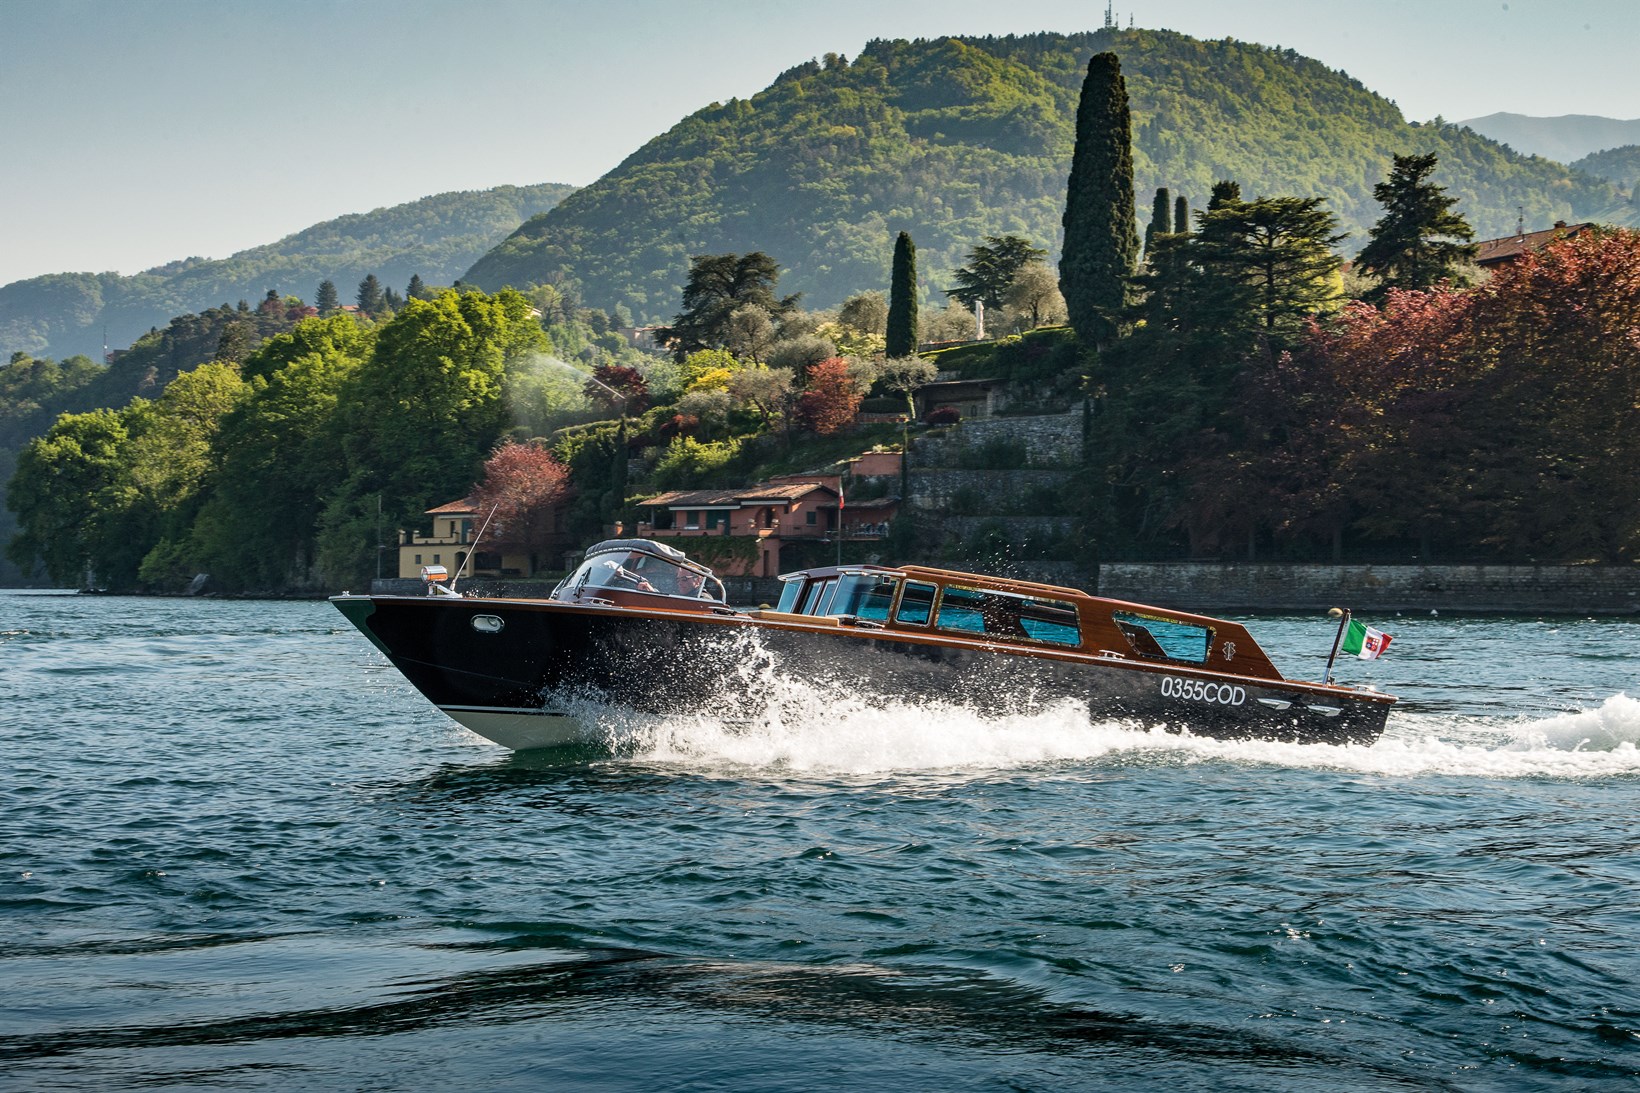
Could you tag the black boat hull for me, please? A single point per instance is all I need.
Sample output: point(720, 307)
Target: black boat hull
point(524, 673)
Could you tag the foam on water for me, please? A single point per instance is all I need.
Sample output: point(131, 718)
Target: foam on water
point(811, 731)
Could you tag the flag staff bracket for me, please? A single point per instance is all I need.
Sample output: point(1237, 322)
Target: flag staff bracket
point(1342, 614)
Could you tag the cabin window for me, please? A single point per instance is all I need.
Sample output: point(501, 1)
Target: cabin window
point(714, 520)
point(1009, 615)
point(865, 596)
point(1163, 638)
point(789, 593)
point(808, 517)
point(418, 559)
point(916, 604)
point(816, 597)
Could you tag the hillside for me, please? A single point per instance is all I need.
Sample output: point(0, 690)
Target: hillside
point(1619, 166)
point(955, 138)
point(437, 237)
point(1566, 138)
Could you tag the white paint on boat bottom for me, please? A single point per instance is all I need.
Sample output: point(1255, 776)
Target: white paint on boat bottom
point(519, 728)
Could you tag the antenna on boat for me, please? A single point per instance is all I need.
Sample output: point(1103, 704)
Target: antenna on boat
point(1342, 614)
point(473, 547)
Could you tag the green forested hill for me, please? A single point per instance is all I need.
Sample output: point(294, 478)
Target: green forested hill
point(1617, 165)
point(437, 237)
point(956, 138)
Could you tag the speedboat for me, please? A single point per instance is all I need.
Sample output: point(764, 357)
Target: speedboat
point(638, 626)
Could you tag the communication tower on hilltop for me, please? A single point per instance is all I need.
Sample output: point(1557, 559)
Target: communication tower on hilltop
point(1110, 16)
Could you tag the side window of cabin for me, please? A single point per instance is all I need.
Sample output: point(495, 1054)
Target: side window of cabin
point(1009, 616)
point(962, 609)
point(916, 604)
point(1051, 621)
point(1164, 639)
point(815, 597)
point(789, 592)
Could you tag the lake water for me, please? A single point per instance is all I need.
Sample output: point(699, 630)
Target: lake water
point(238, 851)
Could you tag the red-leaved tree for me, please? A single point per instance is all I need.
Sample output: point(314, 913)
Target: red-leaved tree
point(1502, 420)
point(620, 388)
point(521, 484)
point(831, 400)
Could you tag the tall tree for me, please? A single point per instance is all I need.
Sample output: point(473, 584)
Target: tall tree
point(68, 493)
point(371, 301)
point(1419, 240)
point(327, 300)
point(751, 333)
point(1181, 215)
point(416, 289)
point(420, 415)
point(717, 285)
point(1282, 249)
point(902, 299)
point(279, 450)
point(521, 483)
point(830, 401)
point(1101, 237)
point(991, 268)
point(1161, 218)
point(866, 312)
point(1033, 299)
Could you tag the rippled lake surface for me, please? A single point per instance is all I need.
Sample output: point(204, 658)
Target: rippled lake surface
point(238, 851)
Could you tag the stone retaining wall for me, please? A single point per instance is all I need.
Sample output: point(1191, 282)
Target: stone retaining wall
point(1051, 439)
point(1499, 589)
point(932, 490)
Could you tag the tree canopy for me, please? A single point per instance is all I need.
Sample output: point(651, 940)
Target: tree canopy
point(1101, 244)
point(719, 285)
point(901, 325)
point(1419, 240)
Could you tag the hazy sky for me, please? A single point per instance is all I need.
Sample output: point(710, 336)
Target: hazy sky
point(134, 132)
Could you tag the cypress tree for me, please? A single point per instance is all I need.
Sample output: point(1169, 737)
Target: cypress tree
point(902, 299)
point(1181, 216)
point(1101, 233)
point(327, 300)
point(1161, 213)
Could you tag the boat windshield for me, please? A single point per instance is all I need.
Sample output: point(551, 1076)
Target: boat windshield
point(864, 595)
point(859, 595)
point(640, 571)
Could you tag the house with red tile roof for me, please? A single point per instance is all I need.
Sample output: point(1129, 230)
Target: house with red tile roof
point(766, 518)
point(1493, 253)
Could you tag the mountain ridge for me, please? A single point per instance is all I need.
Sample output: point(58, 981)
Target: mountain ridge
point(437, 236)
point(956, 138)
point(1564, 138)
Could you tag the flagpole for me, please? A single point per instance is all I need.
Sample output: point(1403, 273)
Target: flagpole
point(1342, 614)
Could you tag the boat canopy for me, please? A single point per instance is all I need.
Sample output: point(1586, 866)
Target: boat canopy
point(639, 565)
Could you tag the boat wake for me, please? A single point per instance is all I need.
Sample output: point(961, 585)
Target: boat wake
point(808, 728)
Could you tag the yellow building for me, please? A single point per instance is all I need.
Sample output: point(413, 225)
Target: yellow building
point(457, 524)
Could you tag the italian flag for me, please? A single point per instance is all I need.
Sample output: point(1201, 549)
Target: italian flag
point(1365, 642)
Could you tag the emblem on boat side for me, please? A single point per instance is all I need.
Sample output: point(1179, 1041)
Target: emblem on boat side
point(1229, 650)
